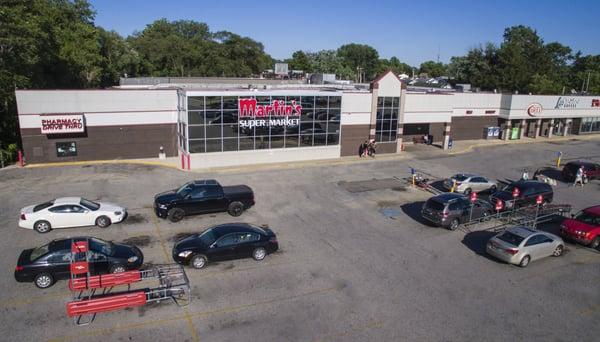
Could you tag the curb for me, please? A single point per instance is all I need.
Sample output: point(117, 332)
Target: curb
point(100, 162)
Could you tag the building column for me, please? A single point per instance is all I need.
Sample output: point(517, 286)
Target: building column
point(507, 129)
point(551, 128)
point(400, 134)
point(568, 124)
point(538, 128)
point(374, 98)
point(522, 129)
point(447, 127)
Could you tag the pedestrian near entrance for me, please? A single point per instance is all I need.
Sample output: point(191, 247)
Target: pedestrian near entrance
point(363, 149)
point(525, 175)
point(579, 176)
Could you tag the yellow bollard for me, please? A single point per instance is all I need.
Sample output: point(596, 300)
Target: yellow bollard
point(558, 161)
point(413, 179)
point(453, 185)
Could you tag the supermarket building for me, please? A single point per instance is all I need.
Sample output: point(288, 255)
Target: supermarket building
point(228, 122)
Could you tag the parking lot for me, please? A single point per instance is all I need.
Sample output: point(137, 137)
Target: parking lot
point(356, 262)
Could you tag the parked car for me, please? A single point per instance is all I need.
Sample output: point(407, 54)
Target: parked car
point(203, 196)
point(584, 227)
point(46, 264)
point(449, 210)
point(223, 242)
point(529, 190)
point(467, 183)
point(69, 212)
point(591, 171)
point(520, 245)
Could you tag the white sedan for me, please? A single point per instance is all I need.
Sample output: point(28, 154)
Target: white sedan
point(69, 212)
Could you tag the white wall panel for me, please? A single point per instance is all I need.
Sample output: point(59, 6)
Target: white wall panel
point(389, 85)
point(356, 102)
point(85, 101)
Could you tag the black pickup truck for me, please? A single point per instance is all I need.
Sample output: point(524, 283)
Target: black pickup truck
point(203, 196)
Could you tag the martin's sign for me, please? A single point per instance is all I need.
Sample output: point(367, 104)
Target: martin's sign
point(60, 124)
point(248, 108)
point(566, 103)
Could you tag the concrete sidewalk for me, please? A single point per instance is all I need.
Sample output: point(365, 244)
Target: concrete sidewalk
point(411, 151)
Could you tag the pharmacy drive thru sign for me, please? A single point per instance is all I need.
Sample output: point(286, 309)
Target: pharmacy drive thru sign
point(62, 123)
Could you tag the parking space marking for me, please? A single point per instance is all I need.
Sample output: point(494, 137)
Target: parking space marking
point(352, 331)
point(27, 300)
point(159, 235)
point(190, 324)
point(203, 314)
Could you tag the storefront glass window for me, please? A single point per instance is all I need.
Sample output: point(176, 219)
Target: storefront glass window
point(386, 124)
point(66, 149)
point(590, 125)
point(216, 123)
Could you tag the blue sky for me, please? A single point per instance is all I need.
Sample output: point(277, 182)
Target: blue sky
point(411, 30)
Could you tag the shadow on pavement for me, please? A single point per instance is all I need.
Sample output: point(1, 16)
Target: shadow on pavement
point(476, 241)
point(413, 210)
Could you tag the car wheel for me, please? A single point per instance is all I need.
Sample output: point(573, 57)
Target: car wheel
point(595, 243)
point(467, 191)
point(175, 214)
point(117, 269)
point(558, 251)
point(525, 261)
point(42, 226)
point(235, 209)
point(198, 261)
point(454, 224)
point(43, 280)
point(259, 254)
point(103, 221)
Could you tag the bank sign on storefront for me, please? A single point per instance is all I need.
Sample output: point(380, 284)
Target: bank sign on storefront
point(251, 114)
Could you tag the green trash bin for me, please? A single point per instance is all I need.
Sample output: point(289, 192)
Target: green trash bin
point(514, 133)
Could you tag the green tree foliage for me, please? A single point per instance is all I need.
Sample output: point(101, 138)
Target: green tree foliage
point(328, 61)
point(300, 61)
point(395, 65)
point(361, 56)
point(44, 44)
point(432, 69)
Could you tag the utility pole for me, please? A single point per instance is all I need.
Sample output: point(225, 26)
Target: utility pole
point(587, 88)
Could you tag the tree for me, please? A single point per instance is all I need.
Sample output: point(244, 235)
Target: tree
point(432, 69)
point(44, 44)
point(119, 59)
point(393, 64)
point(355, 56)
point(327, 61)
point(521, 55)
point(300, 61)
point(478, 67)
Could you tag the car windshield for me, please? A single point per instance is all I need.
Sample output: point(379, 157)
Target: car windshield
point(587, 218)
point(89, 204)
point(42, 206)
point(185, 189)
point(511, 238)
point(208, 237)
point(38, 252)
point(460, 177)
point(104, 247)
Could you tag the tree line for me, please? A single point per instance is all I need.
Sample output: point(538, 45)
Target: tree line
point(55, 44)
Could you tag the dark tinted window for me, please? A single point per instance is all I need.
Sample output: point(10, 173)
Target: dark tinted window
point(101, 246)
point(42, 206)
point(435, 205)
point(478, 180)
point(199, 192)
point(227, 240)
point(460, 178)
point(511, 238)
point(89, 204)
point(588, 218)
point(38, 252)
point(248, 237)
point(208, 237)
point(61, 209)
point(456, 205)
point(60, 257)
point(535, 240)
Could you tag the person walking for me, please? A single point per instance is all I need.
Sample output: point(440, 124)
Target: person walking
point(361, 150)
point(525, 175)
point(579, 176)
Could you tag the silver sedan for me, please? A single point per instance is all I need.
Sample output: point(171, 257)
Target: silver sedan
point(520, 245)
point(467, 183)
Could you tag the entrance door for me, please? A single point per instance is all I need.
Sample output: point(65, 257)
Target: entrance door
point(530, 128)
point(559, 127)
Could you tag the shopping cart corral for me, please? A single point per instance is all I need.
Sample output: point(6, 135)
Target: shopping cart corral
point(422, 180)
point(173, 284)
point(529, 216)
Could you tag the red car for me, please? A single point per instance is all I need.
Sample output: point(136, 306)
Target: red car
point(583, 227)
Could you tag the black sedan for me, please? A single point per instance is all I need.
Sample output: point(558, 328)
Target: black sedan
point(45, 265)
point(223, 242)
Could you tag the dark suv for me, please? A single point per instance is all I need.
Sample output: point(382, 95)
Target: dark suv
point(449, 210)
point(529, 190)
point(591, 171)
